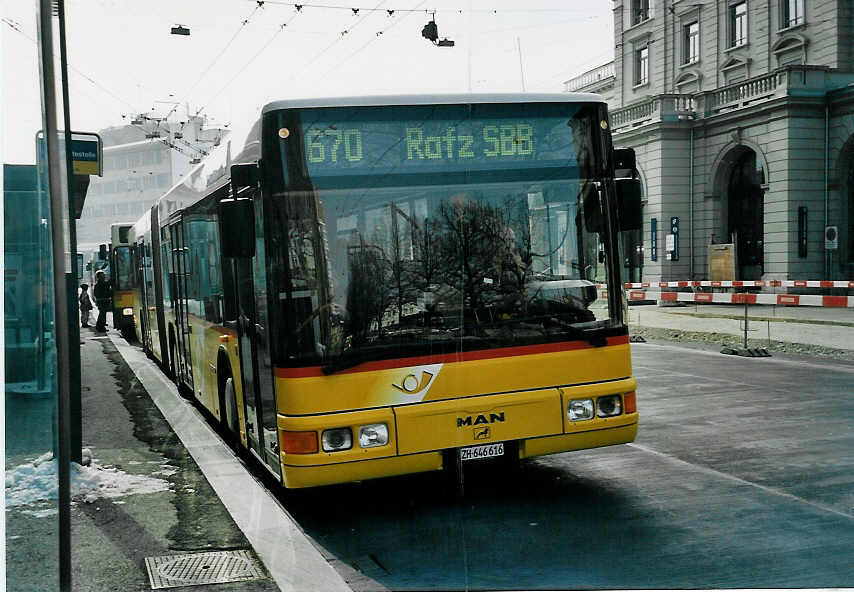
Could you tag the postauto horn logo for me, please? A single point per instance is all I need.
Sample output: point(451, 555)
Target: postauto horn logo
point(411, 385)
point(415, 385)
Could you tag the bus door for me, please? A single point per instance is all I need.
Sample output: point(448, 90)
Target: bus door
point(182, 363)
point(249, 288)
point(248, 352)
point(159, 265)
point(140, 283)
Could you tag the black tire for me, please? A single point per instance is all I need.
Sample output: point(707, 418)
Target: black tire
point(228, 417)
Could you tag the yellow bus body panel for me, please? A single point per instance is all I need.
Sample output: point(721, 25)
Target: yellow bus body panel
point(206, 341)
point(497, 418)
point(297, 477)
point(433, 382)
point(454, 405)
point(124, 299)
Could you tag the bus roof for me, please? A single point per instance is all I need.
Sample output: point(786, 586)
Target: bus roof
point(437, 99)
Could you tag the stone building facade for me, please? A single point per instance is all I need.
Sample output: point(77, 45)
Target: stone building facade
point(741, 113)
point(142, 161)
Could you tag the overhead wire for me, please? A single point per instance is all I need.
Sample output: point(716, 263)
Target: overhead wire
point(248, 63)
point(258, 5)
point(16, 27)
point(340, 37)
point(300, 6)
point(373, 39)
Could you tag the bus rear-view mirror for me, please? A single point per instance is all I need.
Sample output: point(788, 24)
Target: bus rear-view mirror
point(237, 227)
point(629, 205)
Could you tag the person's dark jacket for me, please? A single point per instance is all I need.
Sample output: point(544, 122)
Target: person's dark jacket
point(102, 294)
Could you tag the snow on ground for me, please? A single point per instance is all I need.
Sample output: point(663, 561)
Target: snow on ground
point(35, 484)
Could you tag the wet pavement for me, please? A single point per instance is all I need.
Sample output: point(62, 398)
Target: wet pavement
point(111, 537)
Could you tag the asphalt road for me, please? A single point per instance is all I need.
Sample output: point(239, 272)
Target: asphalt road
point(742, 476)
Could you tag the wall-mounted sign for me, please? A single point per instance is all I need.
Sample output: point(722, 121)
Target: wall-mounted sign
point(653, 239)
point(86, 152)
point(672, 241)
point(87, 158)
point(831, 238)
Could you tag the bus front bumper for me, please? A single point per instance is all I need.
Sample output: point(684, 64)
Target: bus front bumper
point(300, 476)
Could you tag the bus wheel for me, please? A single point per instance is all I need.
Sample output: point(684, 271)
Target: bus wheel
point(173, 371)
point(228, 414)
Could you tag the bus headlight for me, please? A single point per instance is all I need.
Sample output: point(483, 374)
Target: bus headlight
point(579, 409)
point(128, 312)
point(337, 439)
point(372, 435)
point(609, 406)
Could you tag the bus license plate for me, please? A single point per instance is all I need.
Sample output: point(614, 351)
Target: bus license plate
point(480, 452)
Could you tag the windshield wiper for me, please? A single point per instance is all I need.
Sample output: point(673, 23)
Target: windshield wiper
point(592, 336)
point(353, 357)
point(343, 361)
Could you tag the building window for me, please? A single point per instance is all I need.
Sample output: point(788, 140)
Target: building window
point(738, 24)
point(642, 66)
point(691, 43)
point(640, 11)
point(688, 83)
point(793, 13)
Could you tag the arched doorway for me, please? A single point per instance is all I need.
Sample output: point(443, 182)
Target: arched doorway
point(746, 212)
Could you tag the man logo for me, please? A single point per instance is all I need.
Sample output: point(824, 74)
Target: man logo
point(479, 419)
point(412, 385)
point(481, 433)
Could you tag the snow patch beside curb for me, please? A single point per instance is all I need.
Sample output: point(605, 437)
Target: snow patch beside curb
point(36, 482)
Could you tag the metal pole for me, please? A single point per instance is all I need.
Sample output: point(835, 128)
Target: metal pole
point(75, 411)
point(691, 198)
point(826, 178)
point(745, 319)
point(58, 210)
point(521, 69)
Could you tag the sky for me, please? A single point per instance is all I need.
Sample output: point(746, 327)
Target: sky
point(240, 55)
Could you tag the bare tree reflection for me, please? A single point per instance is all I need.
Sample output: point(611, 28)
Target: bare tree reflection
point(468, 250)
point(368, 292)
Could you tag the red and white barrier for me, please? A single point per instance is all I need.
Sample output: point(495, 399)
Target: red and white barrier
point(721, 298)
point(745, 284)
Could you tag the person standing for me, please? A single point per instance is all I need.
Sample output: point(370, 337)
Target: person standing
point(85, 305)
point(102, 300)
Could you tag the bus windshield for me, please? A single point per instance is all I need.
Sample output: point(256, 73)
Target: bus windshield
point(405, 244)
point(123, 275)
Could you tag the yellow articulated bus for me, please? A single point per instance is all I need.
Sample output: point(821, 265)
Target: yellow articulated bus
point(122, 278)
point(365, 287)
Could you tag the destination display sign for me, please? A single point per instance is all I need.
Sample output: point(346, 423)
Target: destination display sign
point(353, 146)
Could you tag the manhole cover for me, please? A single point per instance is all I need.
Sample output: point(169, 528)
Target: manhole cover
point(195, 569)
